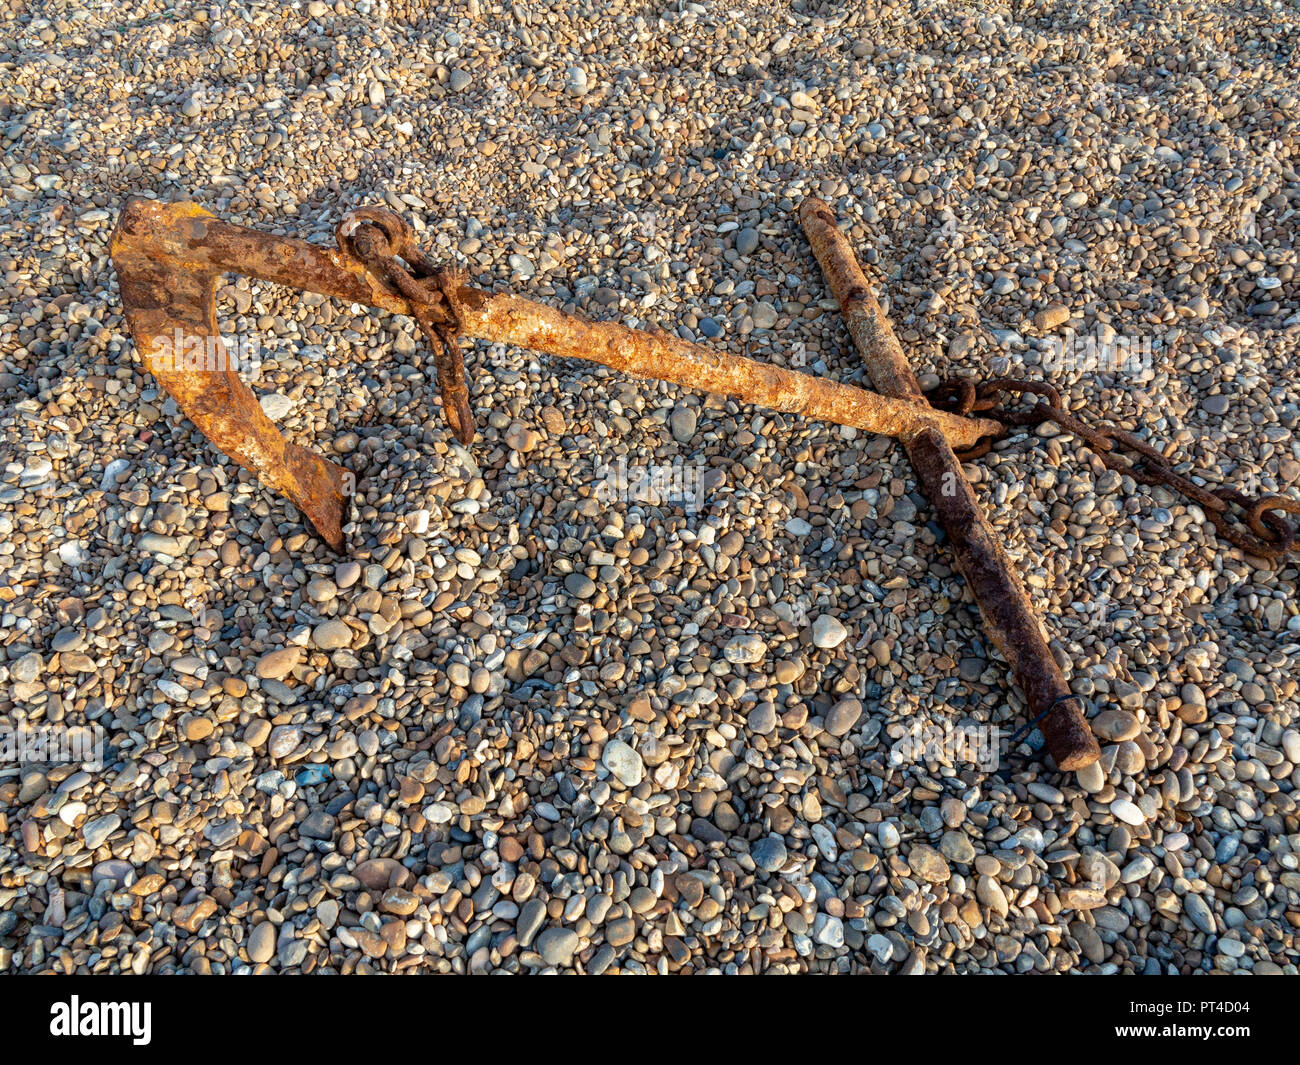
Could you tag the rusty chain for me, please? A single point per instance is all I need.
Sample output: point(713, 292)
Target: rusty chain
point(382, 240)
point(1269, 536)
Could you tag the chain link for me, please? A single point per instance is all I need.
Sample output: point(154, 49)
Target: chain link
point(1255, 525)
point(385, 244)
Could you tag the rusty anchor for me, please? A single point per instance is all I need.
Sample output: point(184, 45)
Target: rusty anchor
point(169, 255)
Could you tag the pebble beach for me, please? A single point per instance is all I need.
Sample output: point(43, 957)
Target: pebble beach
point(551, 714)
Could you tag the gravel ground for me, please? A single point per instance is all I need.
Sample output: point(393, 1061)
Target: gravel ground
point(532, 724)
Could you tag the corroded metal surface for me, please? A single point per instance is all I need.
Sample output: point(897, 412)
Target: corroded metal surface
point(1252, 523)
point(380, 238)
point(1008, 616)
point(515, 320)
point(887, 365)
point(168, 257)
